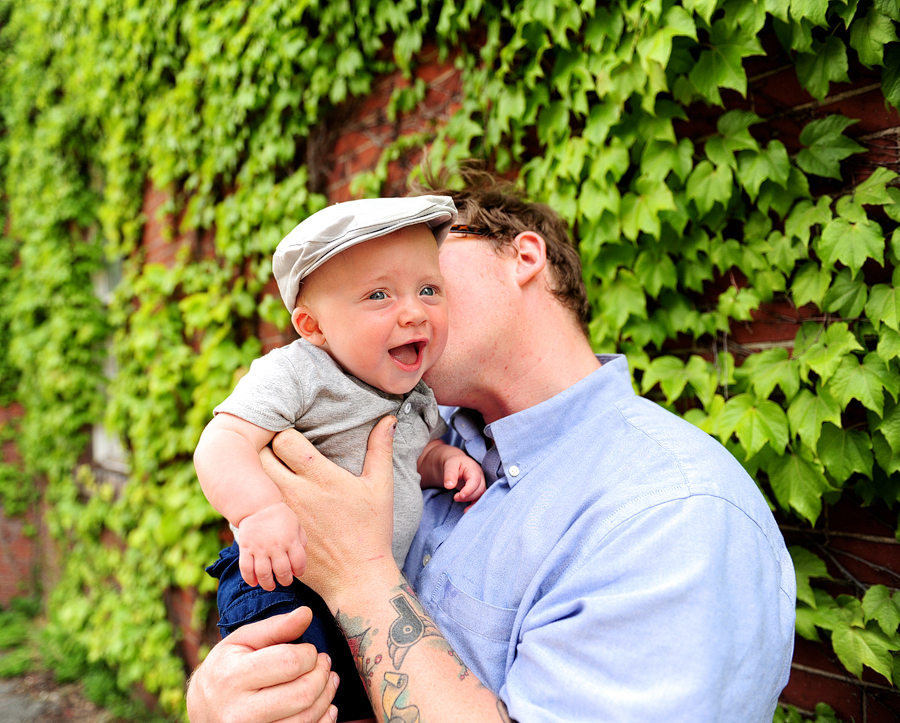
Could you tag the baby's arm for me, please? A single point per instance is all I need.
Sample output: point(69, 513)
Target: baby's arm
point(442, 465)
point(230, 473)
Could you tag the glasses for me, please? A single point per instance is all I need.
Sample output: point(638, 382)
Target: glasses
point(470, 230)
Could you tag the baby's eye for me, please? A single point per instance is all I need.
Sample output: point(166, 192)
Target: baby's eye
point(428, 291)
point(377, 296)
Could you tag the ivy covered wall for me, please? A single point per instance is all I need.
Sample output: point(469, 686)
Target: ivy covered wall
point(703, 202)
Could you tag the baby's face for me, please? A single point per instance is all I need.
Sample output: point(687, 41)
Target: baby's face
point(379, 309)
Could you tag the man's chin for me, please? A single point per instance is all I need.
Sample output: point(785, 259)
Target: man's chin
point(435, 379)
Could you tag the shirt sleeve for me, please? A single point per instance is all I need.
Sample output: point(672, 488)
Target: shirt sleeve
point(271, 394)
point(665, 619)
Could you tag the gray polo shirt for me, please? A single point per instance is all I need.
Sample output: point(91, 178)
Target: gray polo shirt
point(301, 386)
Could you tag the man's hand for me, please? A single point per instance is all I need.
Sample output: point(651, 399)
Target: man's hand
point(256, 676)
point(348, 520)
point(271, 546)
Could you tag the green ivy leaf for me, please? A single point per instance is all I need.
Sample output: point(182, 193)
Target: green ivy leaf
point(668, 372)
point(888, 344)
point(873, 190)
point(826, 146)
point(889, 425)
point(805, 216)
point(754, 423)
point(655, 271)
point(738, 303)
point(856, 647)
point(810, 9)
point(847, 295)
point(879, 605)
point(754, 167)
point(845, 451)
point(810, 284)
point(721, 66)
point(798, 485)
point(864, 381)
point(770, 368)
point(784, 252)
point(825, 65)
point(703, 378)
point(823, 349)
point(640, 211)
point(703, 8)
point(622, 298)
point(883, 306)
point(869, 35)
point(890, 76)
point(889, 8)
point(808, 412)
point(807, 565)
point(708, 185)
point(848, 209)
point(885, 457)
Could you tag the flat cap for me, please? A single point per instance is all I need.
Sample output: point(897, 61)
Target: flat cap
point(336, 228)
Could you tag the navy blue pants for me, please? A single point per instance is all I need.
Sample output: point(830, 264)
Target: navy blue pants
point(240, 604)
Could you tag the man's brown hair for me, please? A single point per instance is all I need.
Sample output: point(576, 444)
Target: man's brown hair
point(502, 212)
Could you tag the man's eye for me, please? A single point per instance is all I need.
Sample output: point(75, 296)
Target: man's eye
point(378, 296)
point(428, 291)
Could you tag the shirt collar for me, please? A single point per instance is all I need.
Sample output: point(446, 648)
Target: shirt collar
point(522, 437)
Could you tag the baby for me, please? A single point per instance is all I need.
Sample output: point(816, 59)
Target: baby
point(366, 296)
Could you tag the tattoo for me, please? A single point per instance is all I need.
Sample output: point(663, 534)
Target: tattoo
point(408, 629)
point(358, 648)
point(394, 687)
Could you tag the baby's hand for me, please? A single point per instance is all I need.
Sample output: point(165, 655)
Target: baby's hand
point(463, 473)
point(271, 543)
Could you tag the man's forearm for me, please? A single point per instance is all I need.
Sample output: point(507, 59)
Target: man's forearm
point(409, 669)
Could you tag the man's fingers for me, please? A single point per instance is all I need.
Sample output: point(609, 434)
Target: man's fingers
point(310, 693)
point(274, 630)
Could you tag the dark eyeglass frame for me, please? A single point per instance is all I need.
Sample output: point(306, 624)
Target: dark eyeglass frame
point(470, 230)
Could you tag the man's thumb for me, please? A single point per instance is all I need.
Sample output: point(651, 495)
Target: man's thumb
point(379, 462)
point(272, 631)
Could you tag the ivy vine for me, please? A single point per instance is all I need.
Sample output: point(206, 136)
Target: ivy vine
point(228, 107)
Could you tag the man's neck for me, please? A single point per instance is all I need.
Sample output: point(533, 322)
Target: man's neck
point(535, 367)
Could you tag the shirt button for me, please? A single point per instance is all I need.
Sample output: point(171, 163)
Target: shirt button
point(426, 560)
point(514, 471)
point(407, 407)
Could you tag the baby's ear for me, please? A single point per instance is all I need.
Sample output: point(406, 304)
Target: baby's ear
point(307, 325)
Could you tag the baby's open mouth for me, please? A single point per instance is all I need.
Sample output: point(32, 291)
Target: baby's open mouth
point(407, 354)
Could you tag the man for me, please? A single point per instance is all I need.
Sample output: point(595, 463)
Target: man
point(620, 567)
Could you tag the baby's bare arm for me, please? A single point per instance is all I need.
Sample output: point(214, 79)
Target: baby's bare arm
point(229, 470)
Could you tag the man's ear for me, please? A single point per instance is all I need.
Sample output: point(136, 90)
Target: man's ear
point(531, 256)
point(307, 325)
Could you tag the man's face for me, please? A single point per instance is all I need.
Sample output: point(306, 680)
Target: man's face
point(474, 280)
point(381, 308)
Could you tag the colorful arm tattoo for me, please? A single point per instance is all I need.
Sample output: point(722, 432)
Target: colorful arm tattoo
point(410, 628)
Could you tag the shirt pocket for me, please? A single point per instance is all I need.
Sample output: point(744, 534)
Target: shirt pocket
point(479, 632)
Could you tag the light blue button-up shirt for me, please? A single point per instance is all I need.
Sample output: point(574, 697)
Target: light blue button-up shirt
point(623, 567)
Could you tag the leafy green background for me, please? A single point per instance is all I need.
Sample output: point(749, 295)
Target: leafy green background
point(594, 107)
